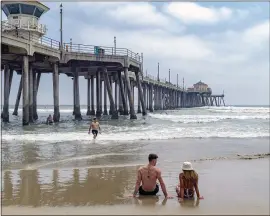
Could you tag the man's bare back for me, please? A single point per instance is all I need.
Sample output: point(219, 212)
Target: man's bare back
point(148, 176)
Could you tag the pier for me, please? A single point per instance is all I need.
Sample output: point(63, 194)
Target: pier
point(116, 72)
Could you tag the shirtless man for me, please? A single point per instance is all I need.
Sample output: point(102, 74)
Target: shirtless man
point(149, 175)
point(49, 120)
point(95, 128)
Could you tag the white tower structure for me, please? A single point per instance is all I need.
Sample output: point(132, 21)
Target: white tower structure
point(23, 19)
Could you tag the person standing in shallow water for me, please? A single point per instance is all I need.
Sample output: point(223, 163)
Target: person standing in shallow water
point(95, 128)
point(49, 119)
point(188, 181)
point(148, 176)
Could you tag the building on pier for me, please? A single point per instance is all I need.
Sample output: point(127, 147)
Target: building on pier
point(23, 18)
point(26, 50)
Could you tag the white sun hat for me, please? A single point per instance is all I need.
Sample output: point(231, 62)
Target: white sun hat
point(187, 166)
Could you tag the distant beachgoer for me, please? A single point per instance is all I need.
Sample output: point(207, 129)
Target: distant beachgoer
point(95, 128)
point(148, 176)
point(49, 120)
point(188, 181)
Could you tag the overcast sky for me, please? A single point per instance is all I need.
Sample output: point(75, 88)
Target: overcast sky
point(225, 45)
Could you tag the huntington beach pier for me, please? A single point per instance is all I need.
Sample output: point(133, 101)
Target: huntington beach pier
point(112, 74)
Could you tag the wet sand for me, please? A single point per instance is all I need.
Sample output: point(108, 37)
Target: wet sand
point(234, 186)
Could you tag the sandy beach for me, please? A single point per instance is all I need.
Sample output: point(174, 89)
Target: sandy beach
point(229, 187)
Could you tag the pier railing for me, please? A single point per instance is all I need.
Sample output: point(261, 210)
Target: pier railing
point(101, 50)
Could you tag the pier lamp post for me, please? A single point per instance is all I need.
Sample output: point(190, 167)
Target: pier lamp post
point(169, 75)
point(114, 45)
point(158, 73)
point(61, 26)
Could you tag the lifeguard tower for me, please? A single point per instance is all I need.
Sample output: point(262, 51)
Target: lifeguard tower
point(22, 19)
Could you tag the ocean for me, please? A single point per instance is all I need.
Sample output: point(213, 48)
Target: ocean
point(214, 139)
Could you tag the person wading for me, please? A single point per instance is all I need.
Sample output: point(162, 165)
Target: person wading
point(188, 181)
point(49, 119)
point(148, 176)
point(95, 128)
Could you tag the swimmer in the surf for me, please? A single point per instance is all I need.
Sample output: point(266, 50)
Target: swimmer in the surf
point(148, 176)
point(95, 128)
point(49, 120)
point(188, 182)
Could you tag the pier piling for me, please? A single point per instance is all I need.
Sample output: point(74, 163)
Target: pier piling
point(56, 115)
point(140, 93)
point(92, 96)
point(105, 96)
point(31, 96)
point(98, 92)
point(115, 92)
point(77, 111)
point(25, 75)
point(36, 80)
point(123, 96)
point(15, 112)
point(5, 114)
point(88, 112)
point(109, 90)
point(128, 88)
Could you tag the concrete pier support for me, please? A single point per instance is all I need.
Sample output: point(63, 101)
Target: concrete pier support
point(88, 112)
point(144, 95)
point(109, 90)
point(123, 95)
point(131, 104)
point(121, 107)
point(151, 98)
point(92, 96)
point(132, 91)
point(140, 93)
point(139, 101)
point(115, 92)
point(31, 94)
point(36, 80)
point(111, 84)
point(5, 114)
point(74, 95)
point(56, 114)
point(15, 112)
point(98, 92)
point(25, 74)
point(105, 96)
point(126, 94)
point(77, 111)
point(101, 87)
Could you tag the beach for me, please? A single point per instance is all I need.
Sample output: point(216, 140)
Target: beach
point(61, 170)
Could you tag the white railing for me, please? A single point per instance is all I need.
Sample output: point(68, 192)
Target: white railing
point(29, 26)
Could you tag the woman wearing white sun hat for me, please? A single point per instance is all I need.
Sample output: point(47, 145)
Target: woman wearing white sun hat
point(188, 181)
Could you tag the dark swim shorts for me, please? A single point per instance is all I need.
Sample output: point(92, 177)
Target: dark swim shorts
point(149, 193)
point(95, 132)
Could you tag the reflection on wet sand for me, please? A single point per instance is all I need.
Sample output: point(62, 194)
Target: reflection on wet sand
point(192, 203)
point(100, 186)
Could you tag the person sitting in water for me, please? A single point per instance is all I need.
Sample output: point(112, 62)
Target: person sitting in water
point(148, 176)
point(49, 120)
point(188, 181)
point(95, 128)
